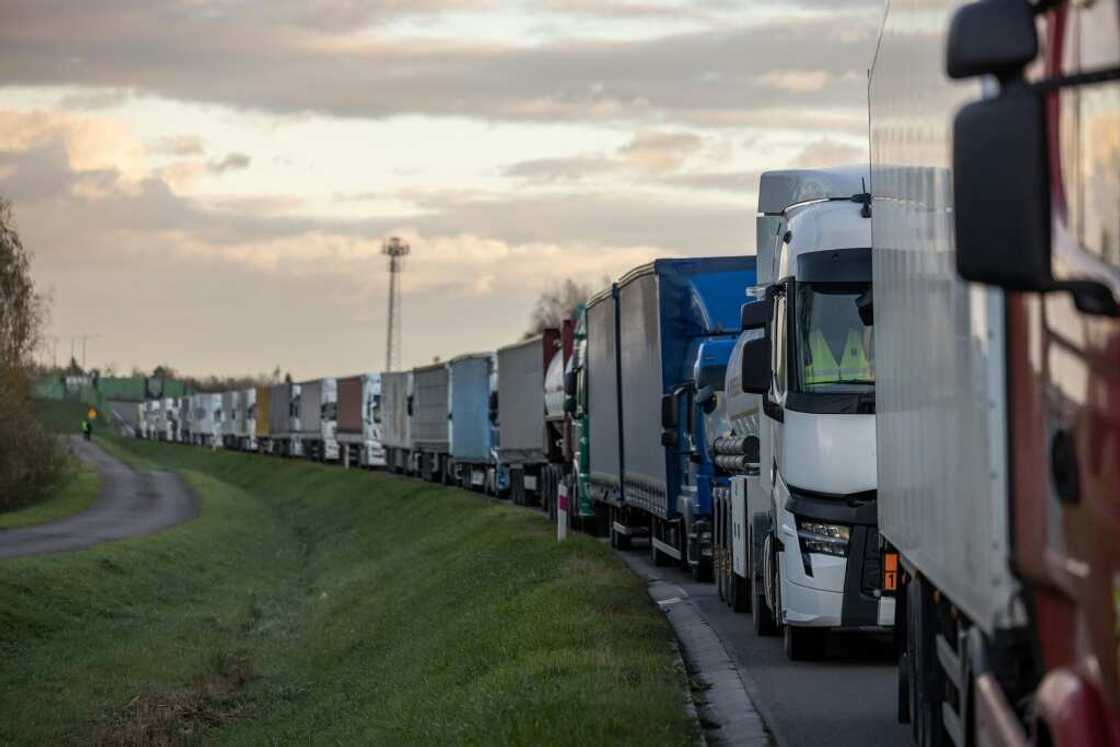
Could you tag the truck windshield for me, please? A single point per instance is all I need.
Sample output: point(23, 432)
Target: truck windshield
point(834, 348)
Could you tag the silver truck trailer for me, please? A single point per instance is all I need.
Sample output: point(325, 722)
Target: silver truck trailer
point(524, 448)
point(396, 420)
point(429, 421)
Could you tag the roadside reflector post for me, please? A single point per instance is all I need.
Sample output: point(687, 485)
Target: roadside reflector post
point(562, 512)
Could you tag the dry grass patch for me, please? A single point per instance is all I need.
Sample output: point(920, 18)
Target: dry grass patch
point(165, 719)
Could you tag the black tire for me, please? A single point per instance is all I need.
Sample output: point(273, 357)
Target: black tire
point(762, 617)
point(805, 644)
point(721, 577)
point(925, 668)
point(740, 593)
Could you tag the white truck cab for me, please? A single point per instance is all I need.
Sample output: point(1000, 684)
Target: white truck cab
point(815, 547)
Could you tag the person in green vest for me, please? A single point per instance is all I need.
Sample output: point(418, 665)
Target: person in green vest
point(87, 428)
point(854, 365)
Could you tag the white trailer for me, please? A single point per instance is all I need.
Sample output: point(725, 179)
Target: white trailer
point(318, 419)
point(247, 420)
point(396, 420)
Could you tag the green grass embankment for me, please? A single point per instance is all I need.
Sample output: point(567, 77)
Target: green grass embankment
point(311, 605)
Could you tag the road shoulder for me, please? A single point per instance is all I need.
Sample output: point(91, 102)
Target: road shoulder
point(727, 712)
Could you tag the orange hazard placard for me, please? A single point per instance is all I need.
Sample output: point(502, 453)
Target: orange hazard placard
point(92, 414)
point(890, 571)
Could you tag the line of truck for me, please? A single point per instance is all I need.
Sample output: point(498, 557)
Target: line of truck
point(900, 416)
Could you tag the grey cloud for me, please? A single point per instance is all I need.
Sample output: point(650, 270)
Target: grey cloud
point(569, 169)
point(232, 162)
point(742, 182)
point(268, 63)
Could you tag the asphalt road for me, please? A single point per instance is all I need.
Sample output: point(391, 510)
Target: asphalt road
point(130, 504)
point(850, 698)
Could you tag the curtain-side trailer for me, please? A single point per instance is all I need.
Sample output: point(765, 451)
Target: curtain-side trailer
point(604, 415)
point(471, 436)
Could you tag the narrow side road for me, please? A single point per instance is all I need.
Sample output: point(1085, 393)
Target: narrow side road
point(848, 699)
point(130, 504)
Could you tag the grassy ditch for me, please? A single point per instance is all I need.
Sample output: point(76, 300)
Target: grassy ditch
point(309, 604)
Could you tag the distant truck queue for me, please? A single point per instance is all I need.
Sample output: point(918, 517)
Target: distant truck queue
point(901, 416)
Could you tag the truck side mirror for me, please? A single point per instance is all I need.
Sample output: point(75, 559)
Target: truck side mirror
point(996, 37)
point(756, 314)
point(668, 411)
point(756, 372)
point(669, 439)
point(493, 407)
point(570, 404)
point(1001, 192)
point(865, 307)
point(410, 405)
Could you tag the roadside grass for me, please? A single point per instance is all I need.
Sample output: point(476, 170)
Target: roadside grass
point(77, 492)
point(311, 604)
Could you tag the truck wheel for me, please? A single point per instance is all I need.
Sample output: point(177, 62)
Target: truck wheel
point(740, 593)
point(805, 644)
point(762, 618)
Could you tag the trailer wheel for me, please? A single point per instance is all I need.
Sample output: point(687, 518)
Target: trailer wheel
point(740, 593)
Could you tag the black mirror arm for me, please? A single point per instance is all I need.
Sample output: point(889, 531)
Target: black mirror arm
point(1090, 297)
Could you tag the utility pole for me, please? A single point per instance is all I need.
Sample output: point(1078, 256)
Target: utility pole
point(84, 339)
point(396, 250)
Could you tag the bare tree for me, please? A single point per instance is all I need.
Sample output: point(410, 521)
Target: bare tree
point(22, 309)
point(31, 460)
point(557, 303)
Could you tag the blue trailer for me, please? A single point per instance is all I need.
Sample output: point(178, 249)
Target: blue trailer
point(471, 432)
point(678, 320)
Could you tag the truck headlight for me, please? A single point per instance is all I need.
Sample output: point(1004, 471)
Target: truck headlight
point(826, 539)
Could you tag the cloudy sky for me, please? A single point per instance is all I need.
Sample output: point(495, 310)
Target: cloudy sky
point(206, 183)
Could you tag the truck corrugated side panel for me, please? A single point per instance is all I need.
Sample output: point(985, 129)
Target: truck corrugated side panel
point(605, 465)
point(350, 405)
point(279, 409)
point(521, 401)
point(311, 407)
point(470, 409)
point(429, 408)
point(229, 404)
point(396, 424)
point(263, 411)
point(939, 342)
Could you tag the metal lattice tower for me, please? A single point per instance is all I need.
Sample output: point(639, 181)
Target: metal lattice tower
point(396, 250)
